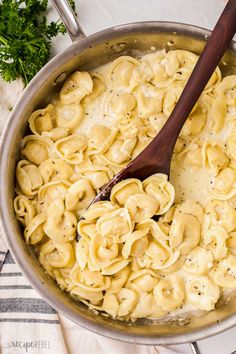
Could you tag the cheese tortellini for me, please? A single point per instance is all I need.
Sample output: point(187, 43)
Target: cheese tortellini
point(157, 247)
point(202, 292)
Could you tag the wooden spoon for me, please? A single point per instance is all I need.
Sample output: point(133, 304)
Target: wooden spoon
point(156, 157)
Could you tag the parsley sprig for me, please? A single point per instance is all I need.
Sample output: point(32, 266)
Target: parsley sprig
point(25, 38)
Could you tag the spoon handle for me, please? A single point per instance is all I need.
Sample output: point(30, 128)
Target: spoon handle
point(157, 154)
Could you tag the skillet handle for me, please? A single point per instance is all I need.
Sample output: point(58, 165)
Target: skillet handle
point(69, 19)
point(195, 348)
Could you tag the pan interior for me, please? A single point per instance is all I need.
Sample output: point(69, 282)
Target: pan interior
point(87, 55)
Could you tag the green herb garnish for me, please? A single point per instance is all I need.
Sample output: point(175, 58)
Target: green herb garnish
point(25, 38)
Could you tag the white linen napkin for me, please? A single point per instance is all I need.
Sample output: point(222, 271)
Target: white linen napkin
point(27, 323)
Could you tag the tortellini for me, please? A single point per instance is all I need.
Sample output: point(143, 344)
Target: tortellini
point(215, 240)
point(34, 231)
point(121, 304)
point(98, 87)
point(24, 210)
point(118, 280)
point(226, 90)
point(170, 99)
point(157, 121)
point(79, 195)
point(224, 184)
point(41, 120)
point(224, 272)
point(51, 191)
point(121, 150)
point(56, 255)
point(123, 104)
point(159, 256)
point(141, 206)
point(202, 293)
point(71, 148)
point(121, 71)
point(55, 169)
point(136, 244)
point(100, 139)
point(147, 307)
point(88, 280)
point(56, 122)
point(221, 213)
point(214, 155)
point(180, 63)
point(156, 247)
point(69, 116)
point(102, 251)
point(162, 190)
point(170, 293)
point(123, 190)
point(60, 225)
point(218, 113)
point(198, 261)
point(28, 178)
point(37, 149)
point(143, 280)
point(192, 155)
point(195, 122)
point(184, 232)
point(77, 86)
point(115, 223)
point(231, 142)
point(94, 298)
point(98, 175)
point(149, 99)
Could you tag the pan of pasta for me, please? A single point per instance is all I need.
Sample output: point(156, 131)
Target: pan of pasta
point(156, 263)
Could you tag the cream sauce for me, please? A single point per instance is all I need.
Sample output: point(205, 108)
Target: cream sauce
point(190, 183)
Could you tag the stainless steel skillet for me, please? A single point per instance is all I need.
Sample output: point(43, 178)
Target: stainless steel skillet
point(88, 53)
